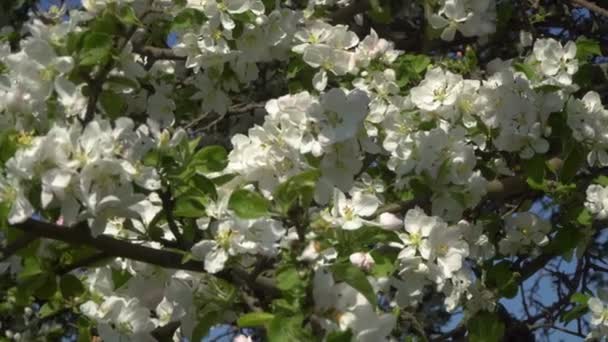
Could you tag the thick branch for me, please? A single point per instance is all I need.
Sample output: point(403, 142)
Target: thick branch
point(80, 235)
point(159, 53)
point(113, 247)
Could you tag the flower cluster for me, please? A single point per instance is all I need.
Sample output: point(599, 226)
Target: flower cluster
point(597, 201)
point(469, 17)
point(361, 176)
point(599, 316)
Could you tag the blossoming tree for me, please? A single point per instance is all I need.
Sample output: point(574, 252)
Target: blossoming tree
point(323, 170)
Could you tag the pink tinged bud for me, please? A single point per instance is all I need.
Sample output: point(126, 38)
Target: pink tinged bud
point(390, 221)
point(311, 252)
point(59, 221)
point(242, 338)
point(362, 260)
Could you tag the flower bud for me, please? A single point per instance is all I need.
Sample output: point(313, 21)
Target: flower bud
point(362, 260)
point(390, 221)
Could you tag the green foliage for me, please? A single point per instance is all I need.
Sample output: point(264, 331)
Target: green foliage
point(601, 180)
point(70, 286)
point(296, 191)
point(210, 159)
point(384, 263)
point(485, 327)
point(283, 329)
point(587, 48)
point(186, 19)
point(188, 206)
point(340, 336)
point(502, 278)
point(112, 103)
point(248, 204)
point(255, 319)
point(8, 145)
point(288, 279)
point(534, 169)
point(96, 48)
point(580, 308)
point(573, 162)
point(380, 11)
point(127, 16)
point(410, 68)
point(526, 69)
point(354, 277)
point(205, 322)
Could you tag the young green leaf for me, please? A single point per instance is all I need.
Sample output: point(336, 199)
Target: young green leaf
point(248, 204)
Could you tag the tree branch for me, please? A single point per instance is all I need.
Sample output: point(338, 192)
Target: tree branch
point(591, 6)
point(80, 235)
point(112, 247)
point(168, 207)
point(157, 53)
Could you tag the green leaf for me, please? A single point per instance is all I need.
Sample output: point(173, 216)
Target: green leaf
point(384, 263)
point(573, 162)
point(340, 336)
point(203, 185)
point(8, 145)
point(585, 218)
point(485, 327)
point(210, 159)
point(187, 19)
point(601, 180)
point(526, 69)
point(380, 11)
point(535, 171)
point(578, 310)
point(248, 204)
point(113, 104)
point(84, 334)
point(31, 267)
point(120, 277)
point(127, 15)
point(70, 286)
point(188, 207)
point(566, 240)
point(354, 277)
point(97, 48)
point(410, 68)
point(586, 48)
point(282, 329)
point(107, 23)
point(122, 84)
point(288, 279)
point(205, 323)
point(580, 298)
point(298, 190)
point(502, 278)
point(254, 319)
point(588, 75)
point(47, 309)
point(47, 286)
